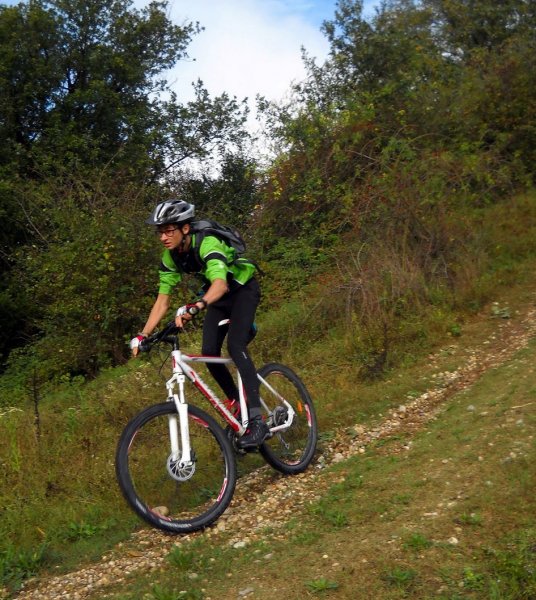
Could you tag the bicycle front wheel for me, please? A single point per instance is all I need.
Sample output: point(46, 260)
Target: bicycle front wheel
point(289, 450)
point(170, 496)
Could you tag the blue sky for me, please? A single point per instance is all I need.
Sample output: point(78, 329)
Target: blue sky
point(314, 11)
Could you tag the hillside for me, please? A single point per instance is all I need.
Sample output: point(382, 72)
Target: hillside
point(395, 222)
point(431, 498)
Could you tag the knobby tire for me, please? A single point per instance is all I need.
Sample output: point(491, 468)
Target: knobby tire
point(145, 480)
point(289, 451)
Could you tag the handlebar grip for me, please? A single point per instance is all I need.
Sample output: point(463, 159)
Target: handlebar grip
point(165, 335)
point(145, 345)
point(193, 310)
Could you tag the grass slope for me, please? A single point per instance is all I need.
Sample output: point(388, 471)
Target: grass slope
point(446, 512)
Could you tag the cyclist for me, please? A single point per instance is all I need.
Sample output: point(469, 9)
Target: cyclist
point(230, 291)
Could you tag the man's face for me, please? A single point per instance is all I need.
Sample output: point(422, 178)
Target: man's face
point(171, 235)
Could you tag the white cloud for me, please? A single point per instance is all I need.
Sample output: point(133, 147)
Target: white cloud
point(248, 47)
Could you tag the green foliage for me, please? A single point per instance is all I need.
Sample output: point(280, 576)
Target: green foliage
point(417, 542)
point(229, 196)
point(389, 99)
point(400, 577)
point(17, 565)
point(69, 504)
point(159, 592)
point(85, 144)
point(83, 530)
point(474, 519)
point(391, 210)
point(392, 145)
point(181, 558)
point(321, 585)
point(468, 27)
point(86, 277)
point(82, 92)
point(289, 262)
point(513, 574)
point(332, 516)
point(376, 161)
point(502, 312)
point(471, 580)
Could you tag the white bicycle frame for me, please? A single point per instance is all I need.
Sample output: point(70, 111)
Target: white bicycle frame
point(179, 433)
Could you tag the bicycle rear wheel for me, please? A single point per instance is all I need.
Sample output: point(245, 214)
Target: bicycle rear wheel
point(291, 450)
point(173, 499)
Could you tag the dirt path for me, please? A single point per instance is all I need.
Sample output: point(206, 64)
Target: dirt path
point(266, 493)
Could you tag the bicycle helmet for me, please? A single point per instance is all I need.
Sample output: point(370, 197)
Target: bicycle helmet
point(171, 211)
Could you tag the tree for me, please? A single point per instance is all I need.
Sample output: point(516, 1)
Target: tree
point(230, 196)
point(82, 92)
point(465, 26)
point(80, 83)
point(83, 117)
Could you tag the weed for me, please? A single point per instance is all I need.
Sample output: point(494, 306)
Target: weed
point(500, 312)
point(400, 578)
point(455, 330)
point(471, 580)
point(337, 518)
point(340, 490)
point(321, 585)
point(326, 436)
point(306, 538)
point(71, 425)
point(385, 441)
point(404, 499)
point(417, 542)
point(160, 593)
point(470, 519)
point(14, 454)
point(82, 530)
point(333, 516)
point(514, 572)
point(181, 558)
point(58, 505)
point(17, 565)
point(292, 524)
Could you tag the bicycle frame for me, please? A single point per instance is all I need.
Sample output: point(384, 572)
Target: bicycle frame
point(180, 431)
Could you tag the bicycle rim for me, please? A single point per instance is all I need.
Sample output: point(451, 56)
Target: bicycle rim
point(178, 501)
point(291, 450)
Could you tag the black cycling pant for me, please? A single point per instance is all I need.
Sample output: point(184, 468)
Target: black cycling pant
point(239, 306)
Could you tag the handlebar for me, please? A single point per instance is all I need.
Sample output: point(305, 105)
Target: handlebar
point(168, 333)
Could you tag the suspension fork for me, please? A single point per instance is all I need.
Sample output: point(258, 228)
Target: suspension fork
point(179, 430)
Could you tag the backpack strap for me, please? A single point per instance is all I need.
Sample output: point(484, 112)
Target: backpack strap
point(192, 262)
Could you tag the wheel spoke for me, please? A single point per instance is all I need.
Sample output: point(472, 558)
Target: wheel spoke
point(163, 491)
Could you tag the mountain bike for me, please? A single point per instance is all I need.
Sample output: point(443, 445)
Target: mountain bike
point(175, 464)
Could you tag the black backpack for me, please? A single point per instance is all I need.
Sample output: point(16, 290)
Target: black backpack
point(192, 263)
point(229, 235)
